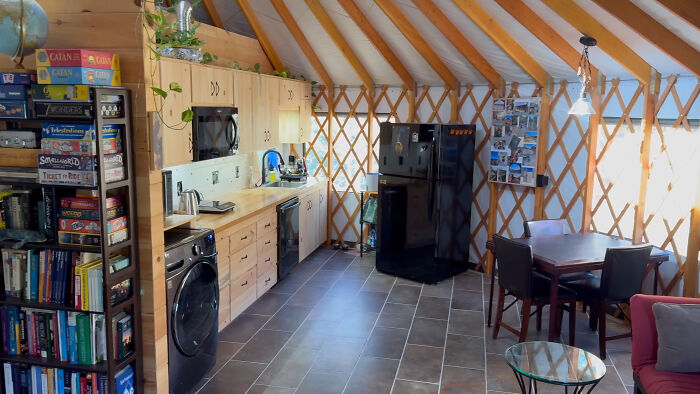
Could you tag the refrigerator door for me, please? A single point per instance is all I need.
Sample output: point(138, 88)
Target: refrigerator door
point(405, 149)
point(455, 167)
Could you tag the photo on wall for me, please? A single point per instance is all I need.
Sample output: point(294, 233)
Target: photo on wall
point(514, 140)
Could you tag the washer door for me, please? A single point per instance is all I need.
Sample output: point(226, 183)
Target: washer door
point(195, 308)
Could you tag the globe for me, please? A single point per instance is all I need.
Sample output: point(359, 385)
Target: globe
point(36, 27)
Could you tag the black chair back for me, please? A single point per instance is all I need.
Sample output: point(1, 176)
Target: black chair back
point(623, 272)
point(514, 266)
point(536, 228)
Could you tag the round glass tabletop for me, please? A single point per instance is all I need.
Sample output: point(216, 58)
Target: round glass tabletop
point(555, 363)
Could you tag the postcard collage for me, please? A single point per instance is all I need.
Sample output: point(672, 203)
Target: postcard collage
point(514, 140)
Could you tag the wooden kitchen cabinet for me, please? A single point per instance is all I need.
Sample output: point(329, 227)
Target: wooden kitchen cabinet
point(290, 94)
point(211, 86)
point(304, 122)
point(322, 215)
point(176, 135)
point(244, 85)
point(308, 222)
point(266, 113)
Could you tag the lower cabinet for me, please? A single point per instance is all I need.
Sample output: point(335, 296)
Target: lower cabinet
point(313, 220)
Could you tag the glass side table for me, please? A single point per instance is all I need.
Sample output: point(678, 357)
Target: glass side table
point(554, 363)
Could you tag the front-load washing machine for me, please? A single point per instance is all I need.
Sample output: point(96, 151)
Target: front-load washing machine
point(193, 306)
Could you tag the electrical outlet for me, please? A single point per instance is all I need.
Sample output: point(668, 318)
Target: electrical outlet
point(238, 169)
point(179, 187)
point(215, 177)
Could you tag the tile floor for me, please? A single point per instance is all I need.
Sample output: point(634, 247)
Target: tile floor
point(336, 325)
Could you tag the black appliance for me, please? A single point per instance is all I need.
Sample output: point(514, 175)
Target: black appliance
point(288, 237)
point(214, 132)
point(192, 292)
point(425, 199)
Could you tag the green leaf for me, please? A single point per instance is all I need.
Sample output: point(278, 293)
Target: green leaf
point(187, 115)
point(275, 72)
point(284, 74)
point(162, 93)
point(174, 86)
point(256, 67)
point(313, 83)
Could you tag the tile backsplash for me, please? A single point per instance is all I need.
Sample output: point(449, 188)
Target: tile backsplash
point(202, 175)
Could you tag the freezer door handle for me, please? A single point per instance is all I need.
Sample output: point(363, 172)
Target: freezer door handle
point(431, 179)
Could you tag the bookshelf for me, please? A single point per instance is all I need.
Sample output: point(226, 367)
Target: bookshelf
point(125, 189)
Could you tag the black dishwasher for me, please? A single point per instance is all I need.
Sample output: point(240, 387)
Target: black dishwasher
point(288, 237)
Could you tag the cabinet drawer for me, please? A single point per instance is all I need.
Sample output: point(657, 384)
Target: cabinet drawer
point(267, 242)
point(266, 281)
point(242, 238)
point(224, 307)
point(242, 302)
point(223, 270)
point(242, 261)
point(267, 223)
point(266, 262)
point(242, 283)
point(222, 244)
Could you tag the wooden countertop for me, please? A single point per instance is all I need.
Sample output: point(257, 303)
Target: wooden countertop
point(252, 201)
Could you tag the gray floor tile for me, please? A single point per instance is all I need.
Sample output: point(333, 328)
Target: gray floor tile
point(312, 334)
point(356, 324)
point(372, 376)
point(386, 343)
point(224, 352)
point(288, 368)
point(268, 304)
point(243, 327)
point(369, 301)
point(466, 323)
point(428, 332)
point(421, 363)
point(396, 315)
point(379, 283)
point(468, 300)
point(463, 381)
point(289, 318)
point(339, 354)
point(433, 307)
point(442, 289)
point(235, 377)
point(308, 295)
point(465, 352)
point(263, 346)
point(409, 387)
point(260, 389)
point(402, 294)
point(322, 382)
point(324, 278)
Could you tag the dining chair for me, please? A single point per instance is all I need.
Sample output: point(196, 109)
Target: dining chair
point(623, 272)
point(517, 278)
point(538, 228)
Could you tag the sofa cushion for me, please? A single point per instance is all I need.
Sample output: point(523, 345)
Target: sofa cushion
point(678, 328)
point(662, 382)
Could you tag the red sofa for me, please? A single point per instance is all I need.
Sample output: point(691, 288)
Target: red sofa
point(647, 380)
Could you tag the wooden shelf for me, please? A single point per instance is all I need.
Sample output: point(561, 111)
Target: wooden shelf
point(19, 157)
point(176, 220)
point(21, 302)
point(45, 362)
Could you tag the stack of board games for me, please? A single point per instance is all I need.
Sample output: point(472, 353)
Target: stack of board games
point(69, 154)
point(79, 221)
point(64, 76)
point(13, 93)
point(22, 378)
point(71, 337)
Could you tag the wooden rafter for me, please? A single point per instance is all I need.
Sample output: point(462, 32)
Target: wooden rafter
point(376, 39)
point(416, 39)
point(607, 41)
point(213, 13)
point(489, 26)
point(654, 32)
point(260, 34)
point(327, 23)
point(450, 31)
point(688, 10)
point(301, 40)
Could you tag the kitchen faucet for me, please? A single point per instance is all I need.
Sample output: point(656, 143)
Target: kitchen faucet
point(263, 162)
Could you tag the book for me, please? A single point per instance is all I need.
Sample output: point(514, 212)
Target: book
point(124, 336)
point(76, 58)
point(124, 380)
point(120, 292)
point(49, 203)
point(72, 338)
point(117, 263)
point(84, 342)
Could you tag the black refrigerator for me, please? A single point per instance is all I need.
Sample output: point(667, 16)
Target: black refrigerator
point(425, 200)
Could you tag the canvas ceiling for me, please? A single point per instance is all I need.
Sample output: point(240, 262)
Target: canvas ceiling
point(382, 74)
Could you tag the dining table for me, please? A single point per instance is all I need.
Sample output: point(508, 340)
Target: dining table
point(567, 253)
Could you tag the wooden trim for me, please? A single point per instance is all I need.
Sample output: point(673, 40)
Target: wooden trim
point(654, 32)
point(330, 99)
point(608, 42)
point(260, 34)
point(685, 9)
point(329, 26)
point(596, 93)
point(489, 26)
point(213, 13)
point(411, 96)
point(376, 39)
point(301, 40)
point(416, 39)
point(690, 275)
point(542, 144)
point(454, 104)
point(491, 228)
point(452, 33)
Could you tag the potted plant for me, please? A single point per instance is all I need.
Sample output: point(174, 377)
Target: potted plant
point(176, 39)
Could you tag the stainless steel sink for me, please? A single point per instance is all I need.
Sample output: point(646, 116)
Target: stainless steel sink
point(285, 184)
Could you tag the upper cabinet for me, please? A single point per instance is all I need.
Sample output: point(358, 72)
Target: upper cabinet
point(211, 86)
point(290, 94)
point(266, 114)
point(176, 135)
point(295, 111)
point(244, 84)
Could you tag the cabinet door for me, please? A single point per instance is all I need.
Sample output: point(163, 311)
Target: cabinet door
point(290, 92)
point(322, 215)
point(306, 227)
point(289, 128)
point(211, 86)
point(259, 114)
point(243, 100)
point(304, 122)
point(177, 139)
point(272, 100)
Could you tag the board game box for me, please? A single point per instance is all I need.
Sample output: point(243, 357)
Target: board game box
point(52, 146)
point(13, 109)
point(90, 214)
point(77, 131)
point(65, 162)
point(13, 92)
point(17, 78)
point(49, 176)
point(89, 203)
point(60, 92)
point(78, 75)
point(76, 58)
point(90, 226)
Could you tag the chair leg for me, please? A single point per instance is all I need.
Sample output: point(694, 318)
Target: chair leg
point(593, 317)
point(527, 304)
point(539, 318)
point(601, 329)
point(583, 306)
point(572, 323)
point(499, 311)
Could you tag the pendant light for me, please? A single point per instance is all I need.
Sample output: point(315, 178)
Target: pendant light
point(583, 106)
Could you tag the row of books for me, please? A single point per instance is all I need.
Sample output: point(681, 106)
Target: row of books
point(72, 337)
point(25, 379)
point(18, 210)
point(79, 221)
point(69, 278)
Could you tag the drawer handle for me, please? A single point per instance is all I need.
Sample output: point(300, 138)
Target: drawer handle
point(267, 280)
point(244, 283)
point(268, 242)
point(244, 257)
point(244, 238)
point(268, 225)
point(267, 259)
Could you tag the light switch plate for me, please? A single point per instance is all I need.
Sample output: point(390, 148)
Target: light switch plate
point(215, 177)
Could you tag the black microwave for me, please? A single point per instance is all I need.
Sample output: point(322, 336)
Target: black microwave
point(214, 132)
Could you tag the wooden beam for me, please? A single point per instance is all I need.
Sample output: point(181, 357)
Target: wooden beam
point(416, 39)
point(376, 39)
point(489, 26)
point(690, 268)
point(327, 23)
point(458, 40)
point(596, 93)
point(303, 43)
point(686, 9)
point(607, 41)
point(213, 13)
point(654, 32)
point(542, 144)
point(260, 34)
